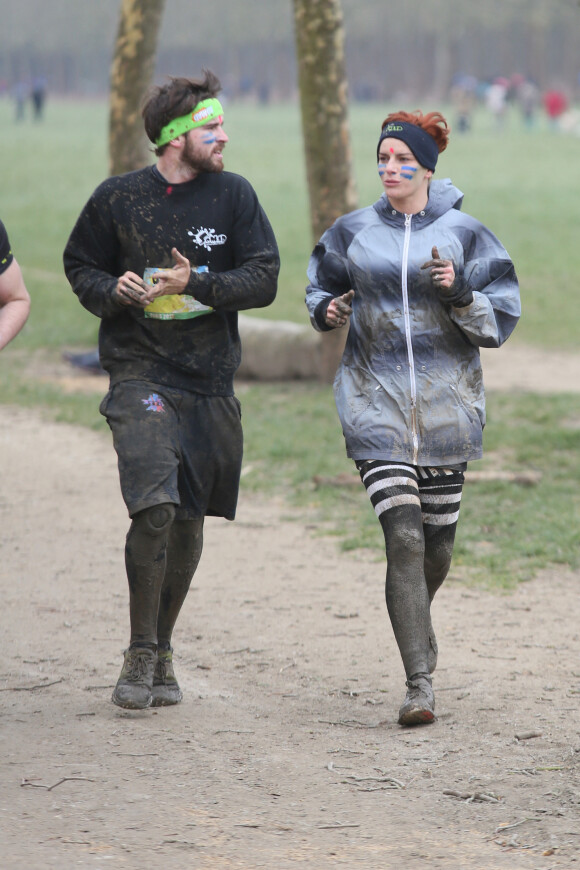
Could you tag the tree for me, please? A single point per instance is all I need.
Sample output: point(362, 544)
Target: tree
point(319, 36)
point(131, 73)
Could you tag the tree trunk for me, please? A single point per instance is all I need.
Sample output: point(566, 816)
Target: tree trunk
point(443, 65)
point(131, 73)
point(319, 35)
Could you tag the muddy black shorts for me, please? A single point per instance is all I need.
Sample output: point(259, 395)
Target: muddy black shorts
point(176, 446)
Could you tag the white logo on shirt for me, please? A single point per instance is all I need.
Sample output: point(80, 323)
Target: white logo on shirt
point(207, 238)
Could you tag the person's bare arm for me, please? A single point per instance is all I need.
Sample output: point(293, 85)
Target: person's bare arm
point(14, 303)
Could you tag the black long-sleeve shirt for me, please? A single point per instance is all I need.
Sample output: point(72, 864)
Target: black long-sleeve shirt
point(6, 255)
point(132, 222)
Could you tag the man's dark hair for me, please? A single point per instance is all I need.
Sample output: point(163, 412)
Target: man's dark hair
point(164, 103)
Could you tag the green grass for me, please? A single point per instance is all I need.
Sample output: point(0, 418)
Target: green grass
point(507, 532)
point(523, 185)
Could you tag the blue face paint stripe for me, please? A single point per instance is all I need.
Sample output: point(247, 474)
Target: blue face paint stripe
point(406, 171)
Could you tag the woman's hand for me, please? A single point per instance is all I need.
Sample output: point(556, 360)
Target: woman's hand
point(442, 271)
point(339, 310)
point(451, 287)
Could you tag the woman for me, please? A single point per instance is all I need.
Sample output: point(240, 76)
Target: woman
point(423, 286)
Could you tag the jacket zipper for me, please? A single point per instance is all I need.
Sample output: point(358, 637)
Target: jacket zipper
point(410, 357)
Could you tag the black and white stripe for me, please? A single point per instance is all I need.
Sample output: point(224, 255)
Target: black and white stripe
point(436, 491)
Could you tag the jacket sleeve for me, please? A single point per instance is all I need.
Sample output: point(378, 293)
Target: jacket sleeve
point(91, 258)
point(328, 275)
point(489, 273)
point(253, 282)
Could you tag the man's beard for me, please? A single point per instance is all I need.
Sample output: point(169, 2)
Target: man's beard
point(200, 163)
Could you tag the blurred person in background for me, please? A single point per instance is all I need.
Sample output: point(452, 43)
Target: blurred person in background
point(463, 95)
point(423, 286)
point(527, 96)
point(555, 105)
point(38, 93)
point(496, 101)
point(166, 256)
point(14, 298)
point(20, 94)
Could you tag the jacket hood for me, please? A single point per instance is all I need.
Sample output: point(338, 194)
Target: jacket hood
point(443, 196)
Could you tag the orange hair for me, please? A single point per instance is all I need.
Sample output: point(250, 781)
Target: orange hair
point(433, 123)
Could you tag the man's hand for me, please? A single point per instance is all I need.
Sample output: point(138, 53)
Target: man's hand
point(451, 289)
point(171, 282)
point(131, 291)
point(339, 310)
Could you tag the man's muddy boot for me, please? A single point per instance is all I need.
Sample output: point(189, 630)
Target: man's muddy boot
point(165, 689)
point(133, 689)
point(419, 705)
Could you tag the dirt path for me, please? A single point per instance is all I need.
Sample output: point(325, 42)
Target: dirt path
point(285, 751)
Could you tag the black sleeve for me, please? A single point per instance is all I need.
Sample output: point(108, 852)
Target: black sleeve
point(253, 281)
point(6, 255)
point(91, 257)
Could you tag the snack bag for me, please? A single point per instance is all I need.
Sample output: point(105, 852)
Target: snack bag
point(177, 307)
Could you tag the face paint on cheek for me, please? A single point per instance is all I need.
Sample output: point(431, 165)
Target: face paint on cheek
point(209, 139)
point(381, 168)
point(408, 171)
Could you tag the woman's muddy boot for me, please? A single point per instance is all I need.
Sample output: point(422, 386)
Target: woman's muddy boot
point(419, 705)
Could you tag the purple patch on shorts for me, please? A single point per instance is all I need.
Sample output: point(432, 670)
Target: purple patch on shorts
point(154, 403)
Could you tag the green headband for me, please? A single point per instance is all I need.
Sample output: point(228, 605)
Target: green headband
point(205, 111)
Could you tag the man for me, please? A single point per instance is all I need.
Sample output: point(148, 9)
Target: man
point(14, 298)
point(171, 346)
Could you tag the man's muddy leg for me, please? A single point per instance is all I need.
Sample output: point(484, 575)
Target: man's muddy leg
point(145, 560)
point(183, 554)
point(145, 551)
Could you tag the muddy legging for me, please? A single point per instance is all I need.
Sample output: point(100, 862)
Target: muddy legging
point(418, 510)
point(161, 556)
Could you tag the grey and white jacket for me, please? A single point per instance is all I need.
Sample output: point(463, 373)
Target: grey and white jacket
point(410, 387)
